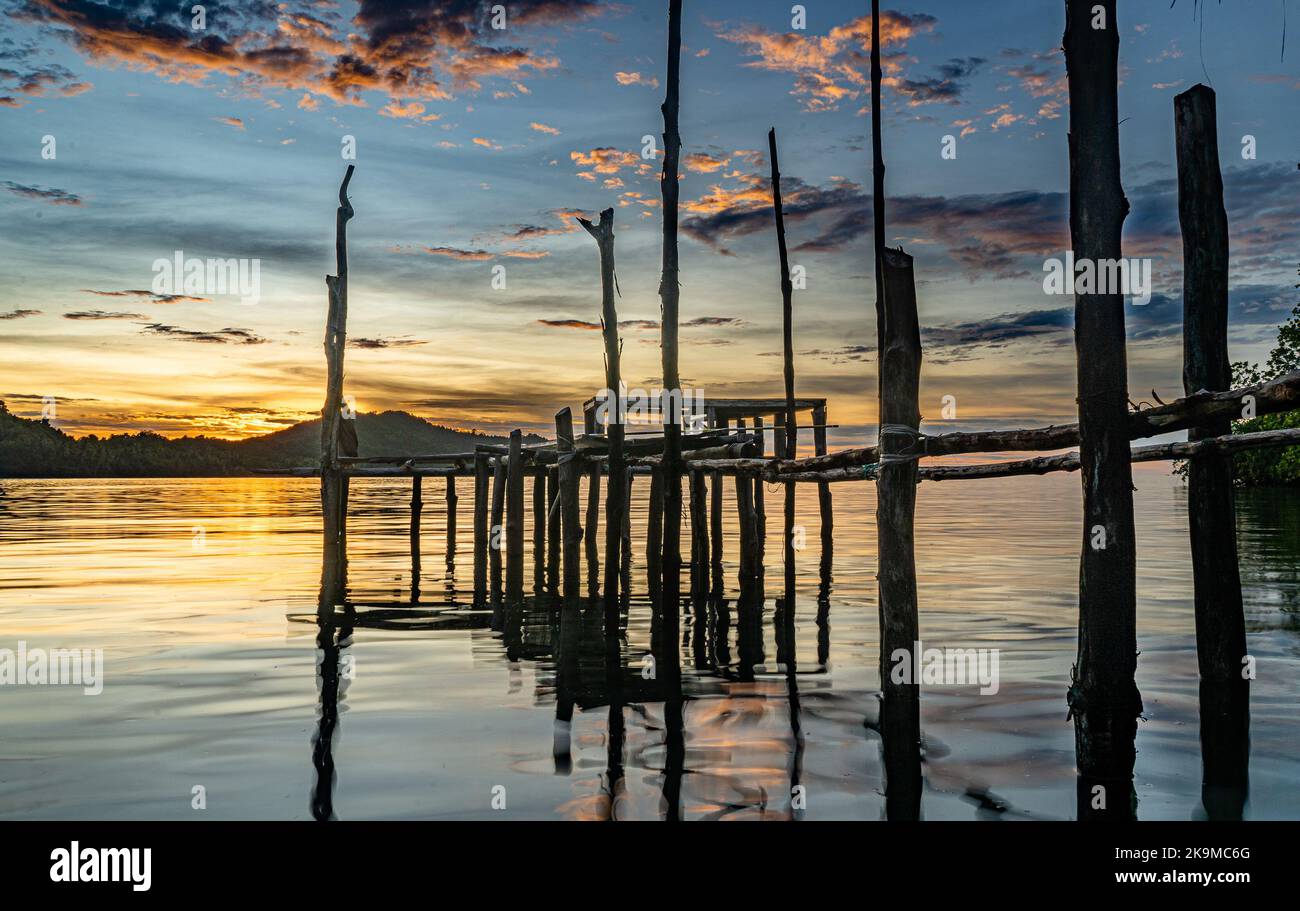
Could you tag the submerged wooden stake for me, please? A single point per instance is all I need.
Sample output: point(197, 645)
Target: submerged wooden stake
point(452, 500)
point(699, 537)
point(1104, 699)
point(496, 533)
point(571, 529)
point(900, 419)
point(480, 528)
point(669, 294)
point(515, 520)
point(333, 484)
point(824, 497)
point(1220, 621)
point(790, 449)
point(589, 533)
point(539, 533)
point(554, 532)
point(615, 504)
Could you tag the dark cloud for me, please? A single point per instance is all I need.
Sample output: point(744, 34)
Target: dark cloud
point(154, 298)
point(20, 314)
point(102, 314)
point(402, 342)
point(49, 194)
point(946, 87)
point(218, 337)
point(407, 48)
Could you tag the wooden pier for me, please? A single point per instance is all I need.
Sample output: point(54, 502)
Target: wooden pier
point(728, 442)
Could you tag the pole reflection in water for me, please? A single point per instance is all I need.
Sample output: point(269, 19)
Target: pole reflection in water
point(331, 640)
point(1225, 748)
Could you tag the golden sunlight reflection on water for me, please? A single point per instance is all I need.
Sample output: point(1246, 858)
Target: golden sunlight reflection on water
point(201, 592)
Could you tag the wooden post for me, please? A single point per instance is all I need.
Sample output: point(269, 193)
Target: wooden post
point(877, 191)
point(496, 533)
point(824, 495)
point(589, 534)
point(790, 449)
point(539, 533)
point(716, 548)
point(452, 500)
point(480, 528)
point(1220, 622)
point(669, 294)
point(417, 506)
point(615, 505)
point(699, 538)
point(745, 519)
point(900, 421)
point(625, 564)
point(333, 484)
point(554, 532)
point(1103, 697)
point(515, 520)
point(571, 530)
point(760, 504)
point(655, 529)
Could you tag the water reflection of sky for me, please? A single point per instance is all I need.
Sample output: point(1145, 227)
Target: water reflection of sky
point(213, 680)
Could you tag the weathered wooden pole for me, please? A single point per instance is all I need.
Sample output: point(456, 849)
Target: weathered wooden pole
point(481, 542)
point(496, 539)
point(1103, 697)
point(654, 532)
point(603, 232)
point(716, 549)
point(539, 532)
point(900, 421)
point(669, 295)
point(699, 538)
point(571, 529)
point(877, 190)
point(417, 506)
point(554, 532)
point(452, 500)
point(790, 450)
point(1220, 622)
point(515, 520)
point(625, 564)
point(760, 502)
point(589, 534)
point(333, 484)
point(824, 496)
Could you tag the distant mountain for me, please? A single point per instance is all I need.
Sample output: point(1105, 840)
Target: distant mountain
point(34, 449)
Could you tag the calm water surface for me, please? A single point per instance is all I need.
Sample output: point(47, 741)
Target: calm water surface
point(202, 595)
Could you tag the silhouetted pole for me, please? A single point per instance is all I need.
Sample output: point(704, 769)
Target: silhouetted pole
point(417, 506)
point(515, 520)
point(571, 529)
point(496, 539)
point(900, 420)
point(877, 188)
point(1220, 623)
point(824, 496)
point(333, 484)
point(452, 500)
point(1104, 699)
point(539, 532)
point(554, 532)
point(480, 528)
point(616, 494)
point(669, 294)
point(790, 450)
point(655, 530)
point(589, 535)
point(699, 537)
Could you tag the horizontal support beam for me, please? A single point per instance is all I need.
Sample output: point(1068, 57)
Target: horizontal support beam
point(1273, 397)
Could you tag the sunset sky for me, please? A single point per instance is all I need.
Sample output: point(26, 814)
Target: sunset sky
point(475, 147)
